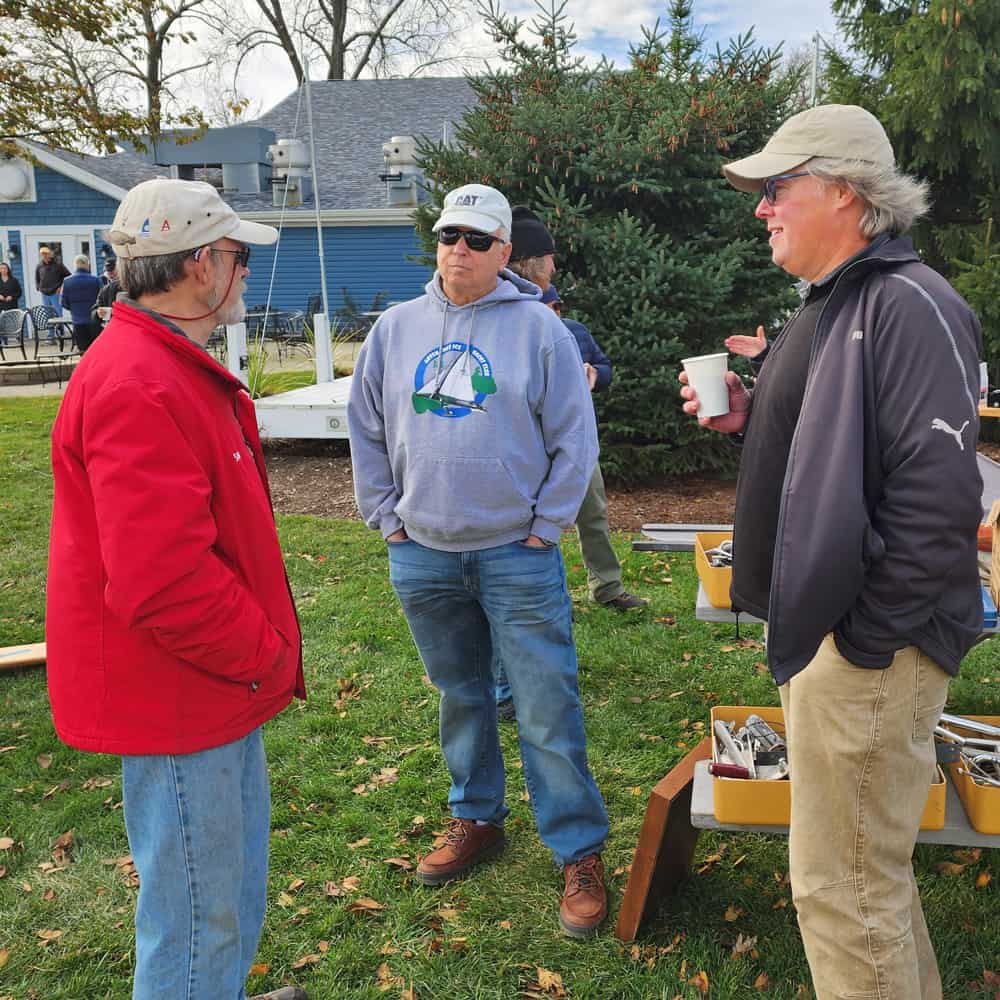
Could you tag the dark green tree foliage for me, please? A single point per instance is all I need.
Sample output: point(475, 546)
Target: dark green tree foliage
point(930, 71)
point(656, 253)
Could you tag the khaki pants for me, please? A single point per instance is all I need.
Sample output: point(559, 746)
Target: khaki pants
point(861, 756)
point(604, 572)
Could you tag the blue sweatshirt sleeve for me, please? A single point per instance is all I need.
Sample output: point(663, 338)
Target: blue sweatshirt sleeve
point(591, 353)
point(374, 487)
point(570, 435)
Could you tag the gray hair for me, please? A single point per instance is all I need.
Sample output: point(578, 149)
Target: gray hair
point(893, 200)
point(532, 268)
point(81, 260)
point(148, 275)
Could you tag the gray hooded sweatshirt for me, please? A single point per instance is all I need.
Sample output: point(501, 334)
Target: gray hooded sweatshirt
point(471, 426)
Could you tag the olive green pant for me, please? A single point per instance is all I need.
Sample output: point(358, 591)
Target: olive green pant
point(604, 571)
point(861, 758)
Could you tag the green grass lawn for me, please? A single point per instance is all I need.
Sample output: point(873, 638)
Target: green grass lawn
point(359, 790)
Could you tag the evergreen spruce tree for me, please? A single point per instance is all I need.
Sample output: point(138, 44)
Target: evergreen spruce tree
point(930, 71)
point(655, 252)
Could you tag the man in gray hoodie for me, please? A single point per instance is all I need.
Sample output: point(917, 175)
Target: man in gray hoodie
point(473, 441)
point(855, 534)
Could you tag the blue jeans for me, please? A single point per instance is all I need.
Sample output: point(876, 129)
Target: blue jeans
point(460, 605)
point(198, 825)
point(54, 302)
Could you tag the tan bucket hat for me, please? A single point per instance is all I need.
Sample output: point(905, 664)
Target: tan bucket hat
point(841, 131)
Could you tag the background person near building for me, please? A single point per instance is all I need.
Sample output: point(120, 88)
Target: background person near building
point(79, 293)
point(170, 628)
point(857, 508)
point(472, 442)
point(10, 288)
point(49, 275)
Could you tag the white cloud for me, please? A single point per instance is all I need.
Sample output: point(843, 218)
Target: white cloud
point(605, 28)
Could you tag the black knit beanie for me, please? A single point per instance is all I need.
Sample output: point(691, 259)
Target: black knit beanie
point(528, 235)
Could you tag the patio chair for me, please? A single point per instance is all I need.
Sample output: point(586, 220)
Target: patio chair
point(13, 327)
point(40, 316)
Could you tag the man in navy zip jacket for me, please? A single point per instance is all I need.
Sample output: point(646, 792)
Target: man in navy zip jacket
point(855, 534)
point(79, 293)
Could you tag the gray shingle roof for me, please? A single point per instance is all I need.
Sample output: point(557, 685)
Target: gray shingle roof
point(125, 169)
point(352, 119)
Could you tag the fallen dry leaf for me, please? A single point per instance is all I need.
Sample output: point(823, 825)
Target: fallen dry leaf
point(44, 761)
point(48, 936)
point(761, 982)
point(969, 855)
point(365, 905)
point(505, 925)
point(363, 842)
point(301, 963)
point(700, 982)
point(742, 946)
point(982, 880)
point(386, 980)
point(733, 913)
point(950, 868)
point(260, 969)
point(6, 843)
point(295, 884)
point(63, 847)
point(402, 863)
point(352, 883)
point(332, 889)
point(409, 993)
point(4, 955)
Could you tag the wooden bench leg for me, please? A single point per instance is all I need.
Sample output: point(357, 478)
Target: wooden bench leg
point(666, 844)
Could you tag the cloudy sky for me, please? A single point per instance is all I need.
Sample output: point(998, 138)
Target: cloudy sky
point(606, 27)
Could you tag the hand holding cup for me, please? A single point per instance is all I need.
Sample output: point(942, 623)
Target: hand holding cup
point(716, 396)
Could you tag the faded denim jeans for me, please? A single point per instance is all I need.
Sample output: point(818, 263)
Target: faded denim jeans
point(198, 826)
point(459, 605)
point(861, 756)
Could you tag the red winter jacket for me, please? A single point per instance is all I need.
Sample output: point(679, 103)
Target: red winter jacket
point(170, 626)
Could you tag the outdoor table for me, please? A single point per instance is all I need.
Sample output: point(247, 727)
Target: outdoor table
point(989, 411)
point(62, 329)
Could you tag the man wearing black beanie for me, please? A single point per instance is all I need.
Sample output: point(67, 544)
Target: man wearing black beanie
point(532, 258)
point(532, 247)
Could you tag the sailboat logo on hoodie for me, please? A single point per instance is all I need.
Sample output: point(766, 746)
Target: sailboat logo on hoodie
point(453, 380)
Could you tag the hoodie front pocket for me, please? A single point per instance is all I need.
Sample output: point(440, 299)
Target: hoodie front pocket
point(457, 497)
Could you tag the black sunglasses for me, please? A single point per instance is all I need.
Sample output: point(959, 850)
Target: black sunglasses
point(771, 185)
point(242, 256)
point(480, 242)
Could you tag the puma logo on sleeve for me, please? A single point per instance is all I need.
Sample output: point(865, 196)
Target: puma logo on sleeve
point(937, 424)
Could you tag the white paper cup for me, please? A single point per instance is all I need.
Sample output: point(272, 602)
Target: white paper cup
point(707, 376)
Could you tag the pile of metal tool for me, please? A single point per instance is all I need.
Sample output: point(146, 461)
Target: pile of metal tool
point(753, 751)
point(722, 555)
point(979, 753)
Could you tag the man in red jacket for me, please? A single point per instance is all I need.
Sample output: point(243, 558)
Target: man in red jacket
point(172, 635)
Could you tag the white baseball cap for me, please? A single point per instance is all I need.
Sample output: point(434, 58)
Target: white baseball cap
point(164, 216)
point(840, 131)
point(477, 207)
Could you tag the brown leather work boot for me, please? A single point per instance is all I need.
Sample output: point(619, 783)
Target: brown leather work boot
point(584, 902)
point(465, 844)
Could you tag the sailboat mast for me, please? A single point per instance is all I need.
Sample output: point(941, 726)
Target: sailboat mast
point(315, 186)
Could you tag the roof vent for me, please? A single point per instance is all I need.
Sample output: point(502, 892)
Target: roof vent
point(292, 180)
point(401, 175)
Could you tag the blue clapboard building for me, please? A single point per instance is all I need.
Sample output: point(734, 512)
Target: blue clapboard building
point(366, 186)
